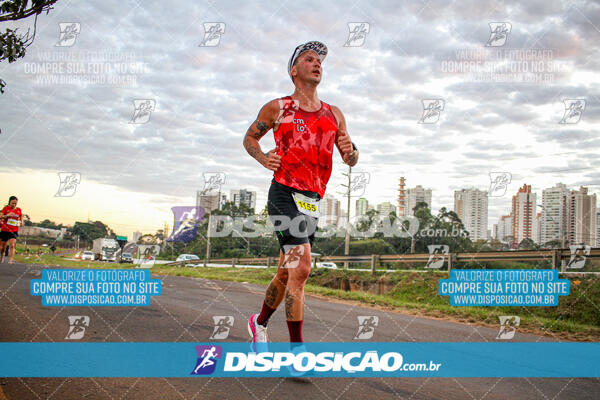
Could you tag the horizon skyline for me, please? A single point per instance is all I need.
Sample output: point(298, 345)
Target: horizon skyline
point(120, 228)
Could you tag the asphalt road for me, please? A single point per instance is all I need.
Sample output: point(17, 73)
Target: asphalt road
point(183, 313)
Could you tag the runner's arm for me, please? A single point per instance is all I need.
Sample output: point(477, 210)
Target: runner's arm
point(264, 122)
point(342, 139)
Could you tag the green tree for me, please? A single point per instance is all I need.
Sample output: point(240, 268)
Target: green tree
point(440, 229)
point(147, 238)
point(231, 209)
point(27, 220)
point(496, 245)
point(528, 244)
point(12, 43)
point(553, 244)
point(49, 224)
point(90, 231)
point(481, 245)
point(367, 220)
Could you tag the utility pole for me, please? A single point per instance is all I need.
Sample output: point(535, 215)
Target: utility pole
point(347, 239)
point(207, 256)
point(165, 236)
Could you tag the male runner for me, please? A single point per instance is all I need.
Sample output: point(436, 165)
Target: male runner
point(10, 217)
point(305, 131)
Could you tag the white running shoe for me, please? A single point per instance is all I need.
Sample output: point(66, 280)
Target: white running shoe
point(258, 333)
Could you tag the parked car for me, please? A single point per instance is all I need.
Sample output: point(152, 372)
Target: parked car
point(328, 264)
point(126, 258)
point(185, 257)
point(87, 255)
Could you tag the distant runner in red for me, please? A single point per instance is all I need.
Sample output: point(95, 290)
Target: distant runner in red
point(10, 219)
point(306, 130)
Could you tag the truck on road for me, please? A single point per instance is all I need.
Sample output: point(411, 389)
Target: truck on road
point(105, 249)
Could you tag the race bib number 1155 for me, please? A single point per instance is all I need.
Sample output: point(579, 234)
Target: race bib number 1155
point(307, 205)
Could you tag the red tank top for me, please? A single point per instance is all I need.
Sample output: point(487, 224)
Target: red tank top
point(10, 224)
point(305, 143)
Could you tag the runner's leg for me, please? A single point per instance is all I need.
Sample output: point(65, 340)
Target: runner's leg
point(275, 293)
point(294, 295)
point(2, 248)
point(11, 251)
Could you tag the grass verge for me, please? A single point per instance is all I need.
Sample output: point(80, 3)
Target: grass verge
point(575, 318)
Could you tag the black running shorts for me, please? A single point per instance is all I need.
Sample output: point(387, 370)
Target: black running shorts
point(281, 203)
point(6, 236)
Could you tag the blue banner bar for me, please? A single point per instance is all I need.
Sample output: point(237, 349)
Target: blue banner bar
point(351, 359)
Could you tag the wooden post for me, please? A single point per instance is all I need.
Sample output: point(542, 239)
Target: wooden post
point(269, 261)
point(234, 261)
point(556, 259)
point(373, 263)
point(450, 256)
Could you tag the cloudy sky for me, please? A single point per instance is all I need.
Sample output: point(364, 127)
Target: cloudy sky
point(69, 104)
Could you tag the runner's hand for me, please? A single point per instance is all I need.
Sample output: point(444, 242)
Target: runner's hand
point(344, 143)
point(272, 160)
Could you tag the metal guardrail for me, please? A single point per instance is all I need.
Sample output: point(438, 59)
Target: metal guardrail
point(555, 256)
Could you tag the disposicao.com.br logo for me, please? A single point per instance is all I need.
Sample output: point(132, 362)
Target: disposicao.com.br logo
point(301, 360)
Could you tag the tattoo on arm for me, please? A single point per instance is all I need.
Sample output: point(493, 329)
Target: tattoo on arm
point(271, 295)
point(262, 127)
point(253, 148)
point(289, 303)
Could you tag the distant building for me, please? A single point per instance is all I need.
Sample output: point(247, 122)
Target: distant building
point(413, 196)
point(243, 196)
point(39, 231)
point(471, 206)
point(538, 221)
point(222, 200)
point(136, 236)
point(209, 202)
point(504, 231)
point(582, 217)
point(401, 197)
point(385, 208)
point(555, 210)
point(330, 211)
point(524, 213)
point(362, 206)
point(597, 228)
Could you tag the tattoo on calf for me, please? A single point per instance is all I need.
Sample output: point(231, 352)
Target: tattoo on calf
point(271, 295)
point(289, 303)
